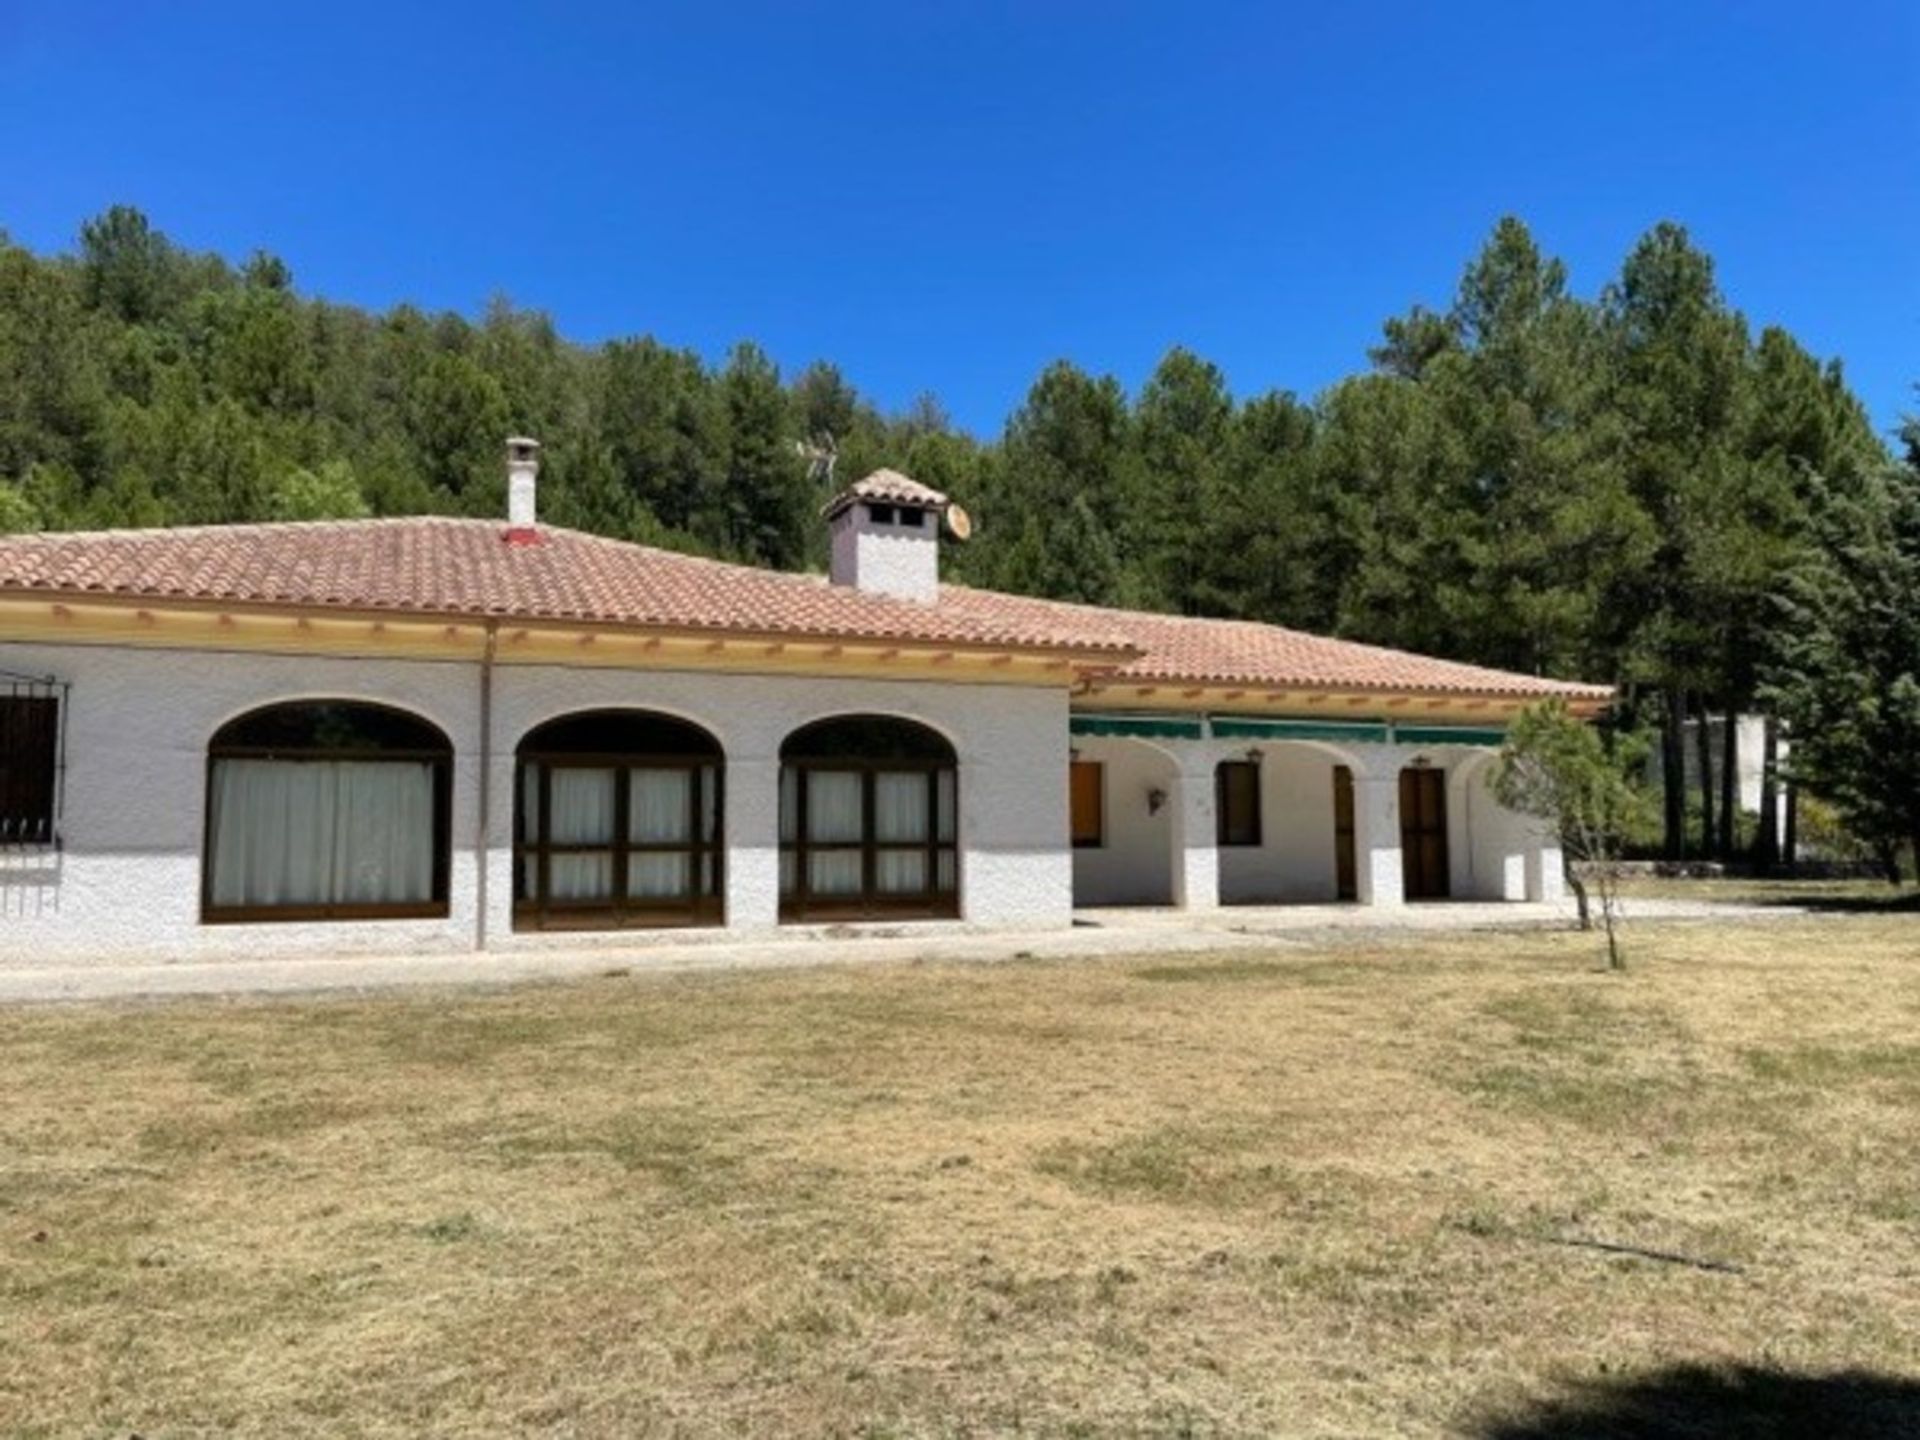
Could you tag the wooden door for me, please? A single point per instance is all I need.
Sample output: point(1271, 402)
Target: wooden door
point(1346, 884)
point(1423, 833)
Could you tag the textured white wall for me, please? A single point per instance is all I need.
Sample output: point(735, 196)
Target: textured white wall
point(901, 559)
point(128, 881)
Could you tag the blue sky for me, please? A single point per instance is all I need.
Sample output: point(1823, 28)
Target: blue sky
point(947, 197)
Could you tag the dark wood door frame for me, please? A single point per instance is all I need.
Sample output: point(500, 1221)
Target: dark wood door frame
point(1424, 862)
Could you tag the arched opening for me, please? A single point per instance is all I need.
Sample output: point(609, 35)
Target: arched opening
point(869, 822)
point(617, 823)
point(1133, 859)
point(326, 810)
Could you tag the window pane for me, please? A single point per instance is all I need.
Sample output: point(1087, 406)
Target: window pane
point(660, 807)
point(947, 872)
point(657, 877)
point(789, 805)
point(944, 814)
point(900, 872)
point(581, 804)
point(289, 832)
point(530, 802)
point(789, 872)
point(834, 799)
point(581, 877)
point(900, 801)
point(272, 823)
point(710, 803)
point(383, 834)
point(834, 872)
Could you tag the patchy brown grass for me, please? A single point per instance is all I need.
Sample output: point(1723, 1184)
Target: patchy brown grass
point(1333, 1191)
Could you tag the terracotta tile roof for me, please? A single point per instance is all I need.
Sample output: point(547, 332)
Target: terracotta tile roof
point(465, 568)
point(1244, 652)
point(886, 486)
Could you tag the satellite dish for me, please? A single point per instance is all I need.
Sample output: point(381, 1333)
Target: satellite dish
point(959, 523)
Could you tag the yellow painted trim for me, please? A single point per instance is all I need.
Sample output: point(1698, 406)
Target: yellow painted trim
point(1406, 706)
point(289, 630)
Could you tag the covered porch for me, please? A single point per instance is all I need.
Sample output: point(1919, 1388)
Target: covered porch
point(1202, 811)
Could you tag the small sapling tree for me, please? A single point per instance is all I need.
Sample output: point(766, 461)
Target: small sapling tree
point(1560, 769)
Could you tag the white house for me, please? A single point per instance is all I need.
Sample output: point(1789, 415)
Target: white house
point(442, 734)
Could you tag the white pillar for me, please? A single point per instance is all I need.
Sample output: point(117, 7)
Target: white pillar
point(1196, 855)
point(1546, 871)
point(752, 836)
point(1376, 839)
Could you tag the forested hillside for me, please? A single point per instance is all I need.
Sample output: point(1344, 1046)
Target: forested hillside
point(1608, 487)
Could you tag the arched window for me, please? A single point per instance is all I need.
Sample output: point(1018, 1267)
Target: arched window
point(618, 823)
point(868, 821)
point(326, 810)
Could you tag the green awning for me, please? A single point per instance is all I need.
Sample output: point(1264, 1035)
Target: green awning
point(1251, 727)
point(1139, 727)
point(1448, 735)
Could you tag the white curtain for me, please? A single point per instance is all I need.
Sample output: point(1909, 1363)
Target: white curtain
point(834, 811)
point(580, 876)
point(322, 832)
point(833, 872)
point(580, 812)
point(582, 804)
point(659, 812)
point(900, 872)
point(900, 807)
point(660, 807)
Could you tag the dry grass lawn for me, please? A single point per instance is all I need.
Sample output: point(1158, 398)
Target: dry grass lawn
point(1336, 1189)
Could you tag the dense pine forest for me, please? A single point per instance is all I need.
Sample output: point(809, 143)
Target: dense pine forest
point(1627, 487)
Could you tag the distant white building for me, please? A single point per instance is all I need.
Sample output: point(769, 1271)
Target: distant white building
point(443, 734)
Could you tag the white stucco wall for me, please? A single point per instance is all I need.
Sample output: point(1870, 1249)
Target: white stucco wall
point(1134, 865)
point(900, 559)
point(1493, 854)
point(127, 882)
point(1294, 860)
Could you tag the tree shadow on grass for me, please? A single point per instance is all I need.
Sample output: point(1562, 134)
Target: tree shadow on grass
point(1693, 1402)
point(1904, 901)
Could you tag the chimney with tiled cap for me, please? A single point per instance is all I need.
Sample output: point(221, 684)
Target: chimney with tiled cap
point(885, 531)
point(523, 471)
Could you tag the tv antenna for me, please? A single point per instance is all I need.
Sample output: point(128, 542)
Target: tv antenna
point(819, 453)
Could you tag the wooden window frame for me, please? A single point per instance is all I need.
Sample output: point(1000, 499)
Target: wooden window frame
point(1098, 840)
point(1223, 829)
point(868, 744)
point(440, 758)
point(620, 911)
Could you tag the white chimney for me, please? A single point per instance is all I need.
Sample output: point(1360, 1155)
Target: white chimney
point(523, 471)
point(885, 531)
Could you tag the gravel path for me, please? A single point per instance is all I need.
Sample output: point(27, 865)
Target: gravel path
point(1095, 933)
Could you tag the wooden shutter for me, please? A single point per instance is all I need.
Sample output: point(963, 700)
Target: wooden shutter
point(1086, 794)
